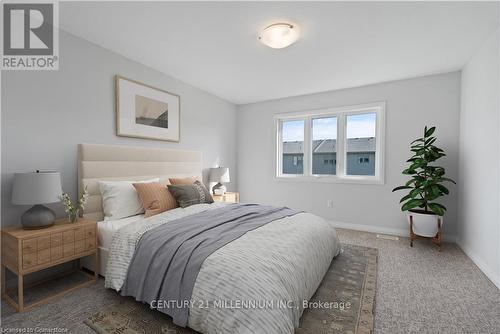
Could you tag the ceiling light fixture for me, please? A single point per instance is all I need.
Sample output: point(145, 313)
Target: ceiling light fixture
point(279, 35)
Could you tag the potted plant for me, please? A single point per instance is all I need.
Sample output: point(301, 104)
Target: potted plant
point(425, 187)
point(73, 210)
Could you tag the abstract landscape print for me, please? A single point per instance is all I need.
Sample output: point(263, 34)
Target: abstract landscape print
point(151, 112)
point(143, 111)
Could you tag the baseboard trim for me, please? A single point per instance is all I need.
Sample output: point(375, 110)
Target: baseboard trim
point(495, 279)
point(384, 230)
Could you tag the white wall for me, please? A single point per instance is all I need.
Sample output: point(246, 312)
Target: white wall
point(411, 104)
point(479, 166)
point(45, 114)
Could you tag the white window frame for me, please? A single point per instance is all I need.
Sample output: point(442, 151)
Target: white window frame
point(341, 113)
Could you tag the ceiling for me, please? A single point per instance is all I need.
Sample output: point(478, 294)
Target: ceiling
point(214, 46)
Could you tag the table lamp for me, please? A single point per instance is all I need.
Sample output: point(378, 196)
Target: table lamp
point(219, 175)
point(35, 189)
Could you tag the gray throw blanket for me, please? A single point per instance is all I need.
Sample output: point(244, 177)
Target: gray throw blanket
point(168, 258)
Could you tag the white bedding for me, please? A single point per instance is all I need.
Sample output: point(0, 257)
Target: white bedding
point(125, 239)
point(120, 199)
point(105, 231)
point(107, 228)
point(275, 268)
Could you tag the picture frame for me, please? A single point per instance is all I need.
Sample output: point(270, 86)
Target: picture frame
point(146, 112)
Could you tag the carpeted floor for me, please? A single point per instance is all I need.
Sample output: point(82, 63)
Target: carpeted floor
point(418, 291)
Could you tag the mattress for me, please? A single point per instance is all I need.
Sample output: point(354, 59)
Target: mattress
point(106, 229)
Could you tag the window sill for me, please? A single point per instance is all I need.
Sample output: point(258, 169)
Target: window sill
point(331, 179)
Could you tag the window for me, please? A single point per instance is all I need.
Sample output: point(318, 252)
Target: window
point(292, 147)
point(361, 140)
point(332, 145)
point(324, 136)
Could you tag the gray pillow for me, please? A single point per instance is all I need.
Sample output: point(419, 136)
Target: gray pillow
point(190, 194)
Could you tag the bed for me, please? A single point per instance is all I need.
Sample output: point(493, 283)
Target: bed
point(105, 231)
point(258, 282)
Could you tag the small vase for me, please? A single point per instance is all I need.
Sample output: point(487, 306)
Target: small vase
point(73, 216)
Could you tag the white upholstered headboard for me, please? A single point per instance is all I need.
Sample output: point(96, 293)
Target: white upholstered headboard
point(110, 162)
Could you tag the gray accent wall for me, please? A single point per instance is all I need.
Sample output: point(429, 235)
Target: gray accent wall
point(45, 114)
point(410, 105)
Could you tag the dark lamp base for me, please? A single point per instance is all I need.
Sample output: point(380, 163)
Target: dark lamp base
point(219, 186)
point(37, 217)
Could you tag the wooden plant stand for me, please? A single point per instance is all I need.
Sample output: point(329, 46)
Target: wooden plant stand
point(435, 239)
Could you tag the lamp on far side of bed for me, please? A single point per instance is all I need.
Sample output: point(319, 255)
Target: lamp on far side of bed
point(219, 175)
point(35, 189)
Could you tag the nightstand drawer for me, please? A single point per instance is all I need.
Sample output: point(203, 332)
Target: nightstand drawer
point(43, 256)
point(79, 246)
point(227, 197)
point(68, 237)
point(56, 253)
point(29, 246)
point(56, 239)
point(68, 250)
point(90, 232)
point(43, 242)
point(29, 260)
point(89, 244)
point(79, 233)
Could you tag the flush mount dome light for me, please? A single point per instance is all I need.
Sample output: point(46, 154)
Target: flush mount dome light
point(279, 35)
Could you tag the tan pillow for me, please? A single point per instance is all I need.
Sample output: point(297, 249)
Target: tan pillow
point(183, 181)
point(155, 197)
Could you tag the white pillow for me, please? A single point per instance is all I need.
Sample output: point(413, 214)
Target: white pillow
point(120, 199)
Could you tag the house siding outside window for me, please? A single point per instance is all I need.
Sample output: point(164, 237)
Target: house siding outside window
point(337, 144)
point(360, 157)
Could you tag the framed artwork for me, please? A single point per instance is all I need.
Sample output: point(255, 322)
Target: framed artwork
point(143, 111)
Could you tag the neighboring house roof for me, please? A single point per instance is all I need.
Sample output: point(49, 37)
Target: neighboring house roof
point(330, 145)
point(292, 147)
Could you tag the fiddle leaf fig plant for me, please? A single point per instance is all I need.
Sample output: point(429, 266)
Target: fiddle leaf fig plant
point(426, 178)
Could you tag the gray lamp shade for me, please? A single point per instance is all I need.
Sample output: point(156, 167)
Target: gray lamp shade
point(220, 175)
point(36, 188)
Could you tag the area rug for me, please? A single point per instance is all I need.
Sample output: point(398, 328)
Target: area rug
point(343, 304)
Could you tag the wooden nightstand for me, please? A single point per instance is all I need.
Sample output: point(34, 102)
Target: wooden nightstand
point(28, 251)
point(227, 197)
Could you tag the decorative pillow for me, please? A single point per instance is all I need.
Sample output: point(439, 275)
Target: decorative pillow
point(183, 181)
point(120, 200)
point(155, 198)
point(190, 194)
